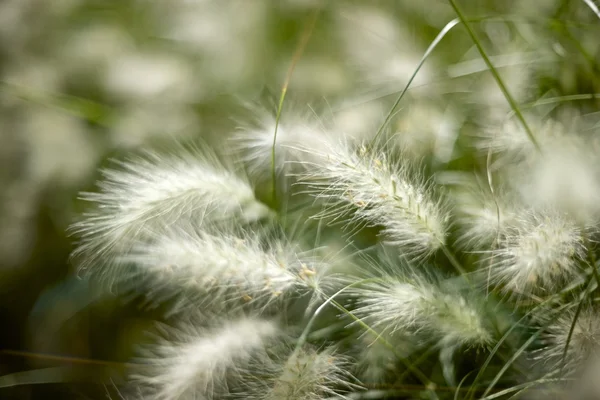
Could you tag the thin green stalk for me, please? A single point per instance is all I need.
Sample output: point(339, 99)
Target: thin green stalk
point(594, 275)
point(521, 388)
point(77, 106)
point(507, 365)
point(506, 335)
point(304, 336)
point(330, 300)
point(575, 318)
point(429, 385)
point(297, 54)
point(428, 52)
point(495, 74)
point(454, 262)
point(273, 167)
point(563, 99)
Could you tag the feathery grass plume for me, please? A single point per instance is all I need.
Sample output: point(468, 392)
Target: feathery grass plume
point(414, 304)
point(296, 130)
point(393, 304)
point(150, 193)
point(479, 213)
point(584, 345)
point(196, 364)
point(223, 267)
point(372, 189)
point(305, 374)
point(357, 118)
point(538, 250)
point(377, 364)
point(565, 176)
point(140, 77)
point(510, 144)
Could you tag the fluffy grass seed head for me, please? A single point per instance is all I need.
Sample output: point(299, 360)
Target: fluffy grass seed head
point(415, 305)
point(566, 177)
point(221, 267)
point(479, 214)
point(583, 346)
point(306, 374)
point(377, 364)
point(196, 364)
point(295, 132)
point(393, 305)
point(562, 174)
point(374, 190)
point(539, 250)
point(148, 194)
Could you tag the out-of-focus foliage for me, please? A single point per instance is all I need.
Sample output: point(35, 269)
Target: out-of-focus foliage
point(82, 82)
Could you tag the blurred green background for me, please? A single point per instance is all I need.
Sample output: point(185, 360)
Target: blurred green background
point(85, 81)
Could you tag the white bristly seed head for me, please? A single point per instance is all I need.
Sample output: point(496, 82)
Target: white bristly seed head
point(195, 365)
point(305, 375)
point(538, 250)
point(295, 131)
point(458, 321)
point(584, 344)
point(220, 267)
point(562, 173)
point(393, 304)
point(377, 362)
point(373, 190)
point(566, 177)
point(480, 214)
point(149, 194)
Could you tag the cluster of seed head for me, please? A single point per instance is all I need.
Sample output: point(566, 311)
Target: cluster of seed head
point(189, 225)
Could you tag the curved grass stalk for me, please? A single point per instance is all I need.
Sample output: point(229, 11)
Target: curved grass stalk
point(297, 54)
point(330, 300)
point(501, 341)
point(428, 52)
point(513, 104)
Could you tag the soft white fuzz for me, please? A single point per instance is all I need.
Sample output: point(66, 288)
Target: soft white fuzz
point(225, 267)
point(566, 177)
point(373, 190)
point(377, 362)
point(195, 364)
point(306, 375)
point(393, 304)
point(562, 173)
point(148, 194)
point(584, 344)
point(480, 214)
point(537, 251)
point(384, 52)
point(296, 131)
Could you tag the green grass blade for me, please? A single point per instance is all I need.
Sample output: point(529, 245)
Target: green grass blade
point(495, 74)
